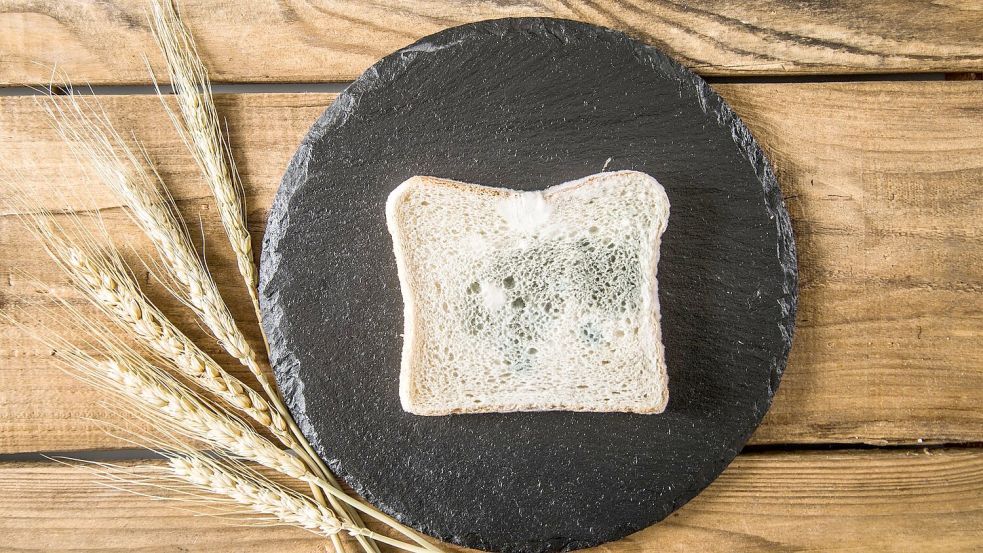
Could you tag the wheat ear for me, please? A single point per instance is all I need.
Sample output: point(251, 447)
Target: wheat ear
point(173, 406)
point(195, 478)
point(266, 497)
point(153, 395)
point(104, 278)
point(262, 497)
point(200, 129)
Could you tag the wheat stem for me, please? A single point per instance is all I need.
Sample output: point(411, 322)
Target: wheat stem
point(261, 497)
point(188, 414)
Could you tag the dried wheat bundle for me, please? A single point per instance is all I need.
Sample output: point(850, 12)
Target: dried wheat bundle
point(92, 137)
point(170, 384)
point(199, 127)
point(260, 495)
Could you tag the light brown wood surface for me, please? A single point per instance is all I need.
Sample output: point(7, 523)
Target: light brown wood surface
point(882, 180)
point(291, 40)
point(867, 501)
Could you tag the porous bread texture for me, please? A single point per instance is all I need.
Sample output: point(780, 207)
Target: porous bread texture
point(530, 301)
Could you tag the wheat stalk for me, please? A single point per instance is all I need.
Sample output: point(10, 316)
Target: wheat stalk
point(200, 129)
point(154, 396)
point(269, 498)
point(222, 486)
point(166, 401)
point(262, 497)
point(104, 278)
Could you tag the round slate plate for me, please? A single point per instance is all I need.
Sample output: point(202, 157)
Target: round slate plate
point(528, 103)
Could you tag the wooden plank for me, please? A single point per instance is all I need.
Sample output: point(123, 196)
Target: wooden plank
point(839, 501)
point(883, 183)
point(259, 41)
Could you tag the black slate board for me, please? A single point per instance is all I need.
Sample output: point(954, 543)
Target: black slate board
point(528, 103)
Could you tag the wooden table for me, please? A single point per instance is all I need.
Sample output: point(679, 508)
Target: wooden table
point(874, 439)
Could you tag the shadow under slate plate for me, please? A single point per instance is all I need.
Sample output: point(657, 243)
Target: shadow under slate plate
point(528, 103)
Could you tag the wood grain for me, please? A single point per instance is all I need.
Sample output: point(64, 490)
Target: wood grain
point(292, 40)
point(883, 185)
point(882, 181)
point(815, 501)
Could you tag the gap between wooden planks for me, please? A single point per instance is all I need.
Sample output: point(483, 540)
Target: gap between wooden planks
point(882, 180)
point(849, 500)
point(289, 41)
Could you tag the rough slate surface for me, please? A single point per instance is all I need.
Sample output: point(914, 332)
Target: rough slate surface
point(528, 103)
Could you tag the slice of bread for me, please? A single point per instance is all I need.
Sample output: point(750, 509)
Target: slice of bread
point(530, 301)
